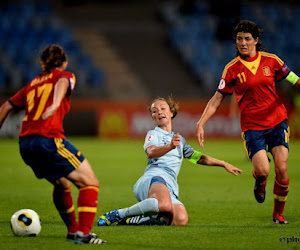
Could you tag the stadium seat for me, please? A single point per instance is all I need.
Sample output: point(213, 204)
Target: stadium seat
point(26, 28)
point(194, 36)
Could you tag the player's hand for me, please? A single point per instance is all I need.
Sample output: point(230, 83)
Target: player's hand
point(232, 169)
point(175, 140)
point(200, 135)
point(49, 112)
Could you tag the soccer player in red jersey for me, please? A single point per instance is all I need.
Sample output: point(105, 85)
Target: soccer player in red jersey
point(43, 146)
point(251, 75)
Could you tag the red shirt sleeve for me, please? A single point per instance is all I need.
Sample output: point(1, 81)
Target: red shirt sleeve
point(281, 71)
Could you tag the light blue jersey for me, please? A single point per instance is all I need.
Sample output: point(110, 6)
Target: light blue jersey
point(166, 166)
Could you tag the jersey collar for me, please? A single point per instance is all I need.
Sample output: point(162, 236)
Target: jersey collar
point(250, 59)
point(158, 129)
point(252, 63)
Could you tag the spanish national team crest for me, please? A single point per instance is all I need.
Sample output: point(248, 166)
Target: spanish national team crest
point(266, 71)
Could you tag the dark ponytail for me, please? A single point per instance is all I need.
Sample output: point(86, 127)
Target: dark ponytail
point(53, 56)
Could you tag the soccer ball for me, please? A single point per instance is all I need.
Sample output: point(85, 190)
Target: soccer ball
point(25, 222)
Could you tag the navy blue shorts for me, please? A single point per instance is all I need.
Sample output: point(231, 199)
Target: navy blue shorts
point(255, 140)
point(49, 158)
point(156, 179)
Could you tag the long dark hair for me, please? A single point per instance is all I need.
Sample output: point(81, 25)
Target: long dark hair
point(246, 26)
point(52, 56)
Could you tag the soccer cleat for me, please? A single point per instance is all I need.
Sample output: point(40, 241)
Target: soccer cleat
point(109, 218)
point(142, 220)
point(71, 236)
point(279, 219)
point(260, 188)
point(91, 238)
point(138, 220)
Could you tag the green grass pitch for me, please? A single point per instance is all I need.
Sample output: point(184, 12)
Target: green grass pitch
point(222, 210)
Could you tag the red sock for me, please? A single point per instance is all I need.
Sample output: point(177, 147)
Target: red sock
point(280, 191)
point(63, 202)
point(87, 208)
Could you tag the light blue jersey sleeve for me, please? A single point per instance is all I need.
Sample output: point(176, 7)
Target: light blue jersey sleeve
point(151, 139)
point(187, 149)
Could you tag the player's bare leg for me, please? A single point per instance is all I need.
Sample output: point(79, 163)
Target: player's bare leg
point(160, 192)
point(180, 216)
point(261, 171)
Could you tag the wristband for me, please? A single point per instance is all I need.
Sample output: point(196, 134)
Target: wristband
point(194, 158)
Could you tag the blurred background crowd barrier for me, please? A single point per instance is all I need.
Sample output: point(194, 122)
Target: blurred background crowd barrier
point(126, 53)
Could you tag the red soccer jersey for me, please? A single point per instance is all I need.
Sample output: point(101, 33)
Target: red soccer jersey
point(35, 97)
point(253, 81)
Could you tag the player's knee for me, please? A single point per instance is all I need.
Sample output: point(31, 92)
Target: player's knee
point(61, 183)
point(95, 182)
point(89, 180)
point(281, 173)
point(165, 206)
point(92, 180)
point(262, 173)
point(86, 180)
point(180, 219)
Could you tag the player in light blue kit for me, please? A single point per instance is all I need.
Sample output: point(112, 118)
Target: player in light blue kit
point(157, 190)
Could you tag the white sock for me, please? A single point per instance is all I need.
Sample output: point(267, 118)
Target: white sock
point(149, 205)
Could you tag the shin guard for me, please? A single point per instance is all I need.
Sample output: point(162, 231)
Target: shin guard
point(87, 208)
point(63, 202)
point(280, 191)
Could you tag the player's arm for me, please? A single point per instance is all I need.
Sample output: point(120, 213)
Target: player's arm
point(199, 158)
point(60, 91)
point(209, 110)
point(209, 161)
point(155, 151)
point(4, 111)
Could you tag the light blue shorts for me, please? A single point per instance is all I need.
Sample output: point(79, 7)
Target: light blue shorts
point(142, 186)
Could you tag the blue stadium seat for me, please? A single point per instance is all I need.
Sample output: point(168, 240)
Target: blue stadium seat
point(194, 36)
point(25, 29)
point(3, 78)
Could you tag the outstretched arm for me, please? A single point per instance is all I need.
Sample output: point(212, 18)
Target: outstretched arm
point(154, 151)
point(4, 111)
point(209, 161)
point(60, 91)
point(210, 109)
point(298, 83)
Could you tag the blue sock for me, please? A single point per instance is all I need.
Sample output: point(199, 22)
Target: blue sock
point(149, 205)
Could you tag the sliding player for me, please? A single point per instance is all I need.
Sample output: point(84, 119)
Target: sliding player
point(157, 190)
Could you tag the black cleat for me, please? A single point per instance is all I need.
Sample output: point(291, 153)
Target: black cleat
point(71, 236)
point(260, 188)
point(91, 238)
point(161, 219)
point(138, 220)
